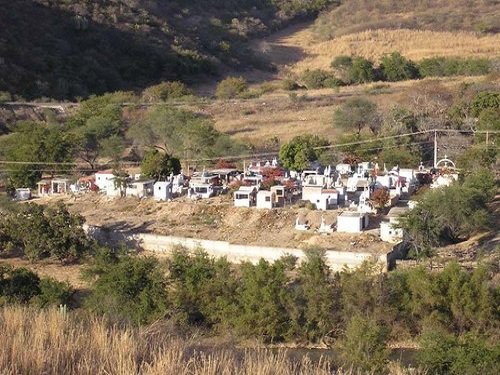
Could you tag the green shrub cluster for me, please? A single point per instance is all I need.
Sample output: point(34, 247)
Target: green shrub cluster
point(395, 67)
point(231, 87)
point(39, 232)
point(20, 285)
point(283, 301)
point(452, 213)
point(449, 66)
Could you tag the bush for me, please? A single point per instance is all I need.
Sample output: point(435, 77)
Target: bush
point(165, 91)
point(41, 231)
point(341, 62)
point(231, 87)
point(315, 79)
point(5, 96)
point(18, 285)
point(443, 66)
point(53, 293)
point(364, 345)
point(361, 71)
point(395, 67)
point(128, 288)
point(442, 353)
point(290, 84)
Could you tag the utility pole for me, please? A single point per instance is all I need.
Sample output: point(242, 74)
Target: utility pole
point(435, 148)
point(487, 134)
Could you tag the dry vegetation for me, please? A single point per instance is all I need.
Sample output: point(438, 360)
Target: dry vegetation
point(414, 44)
point(49, 342)
point(438, 15)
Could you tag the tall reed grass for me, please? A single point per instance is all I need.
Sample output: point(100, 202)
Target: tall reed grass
point(50, 342)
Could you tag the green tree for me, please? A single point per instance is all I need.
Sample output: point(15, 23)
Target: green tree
point(299, 152)
point(264, 299)
point(35, 144)
point(204, 289)
point(42, 231)
point(317, 299)
point(97, 124)
point(179, 132)
point(231, 87)
point(396, 67)
point(356, 114)
point(159, 165)
point(485, 100)
point(443, 353)
point(361, 71)
point(364, 345)
point(129, 288)
point(451, 213)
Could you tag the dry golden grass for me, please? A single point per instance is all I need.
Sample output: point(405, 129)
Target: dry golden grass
point(414, 44)
point(47, 342)
point(353, 16)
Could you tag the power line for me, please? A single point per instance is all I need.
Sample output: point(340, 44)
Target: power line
point(275, 153)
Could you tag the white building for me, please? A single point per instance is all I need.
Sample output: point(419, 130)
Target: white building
point(23, 194)
point(388, 230)
point(105, 180)
point(444, 180)
point(352, 222)
point(140, 189)
point(343, 168)
point(162, 190)
point(202, 190)
point(265, 199)
point(245, 196)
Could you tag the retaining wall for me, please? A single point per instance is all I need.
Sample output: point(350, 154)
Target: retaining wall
point(336, 260)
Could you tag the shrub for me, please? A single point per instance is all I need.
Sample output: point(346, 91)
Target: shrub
point(41, 231)
point(165, 91)
point(341, 62)
point(333, 83)
point(53, 293)
point(443, 66)
point(231, 87)
point(18, 285)
point(442, 353)
point(128, 288)
point(361, 71)
point(290, 84)
point(397, 68)
point(315, 79)
point(5, 96)
point(364, 345)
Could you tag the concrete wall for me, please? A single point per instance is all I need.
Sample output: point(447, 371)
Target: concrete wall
point(233, 252)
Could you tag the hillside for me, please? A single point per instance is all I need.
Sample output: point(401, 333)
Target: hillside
point(354, 16)
point(372, 29)
point(84, 48)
